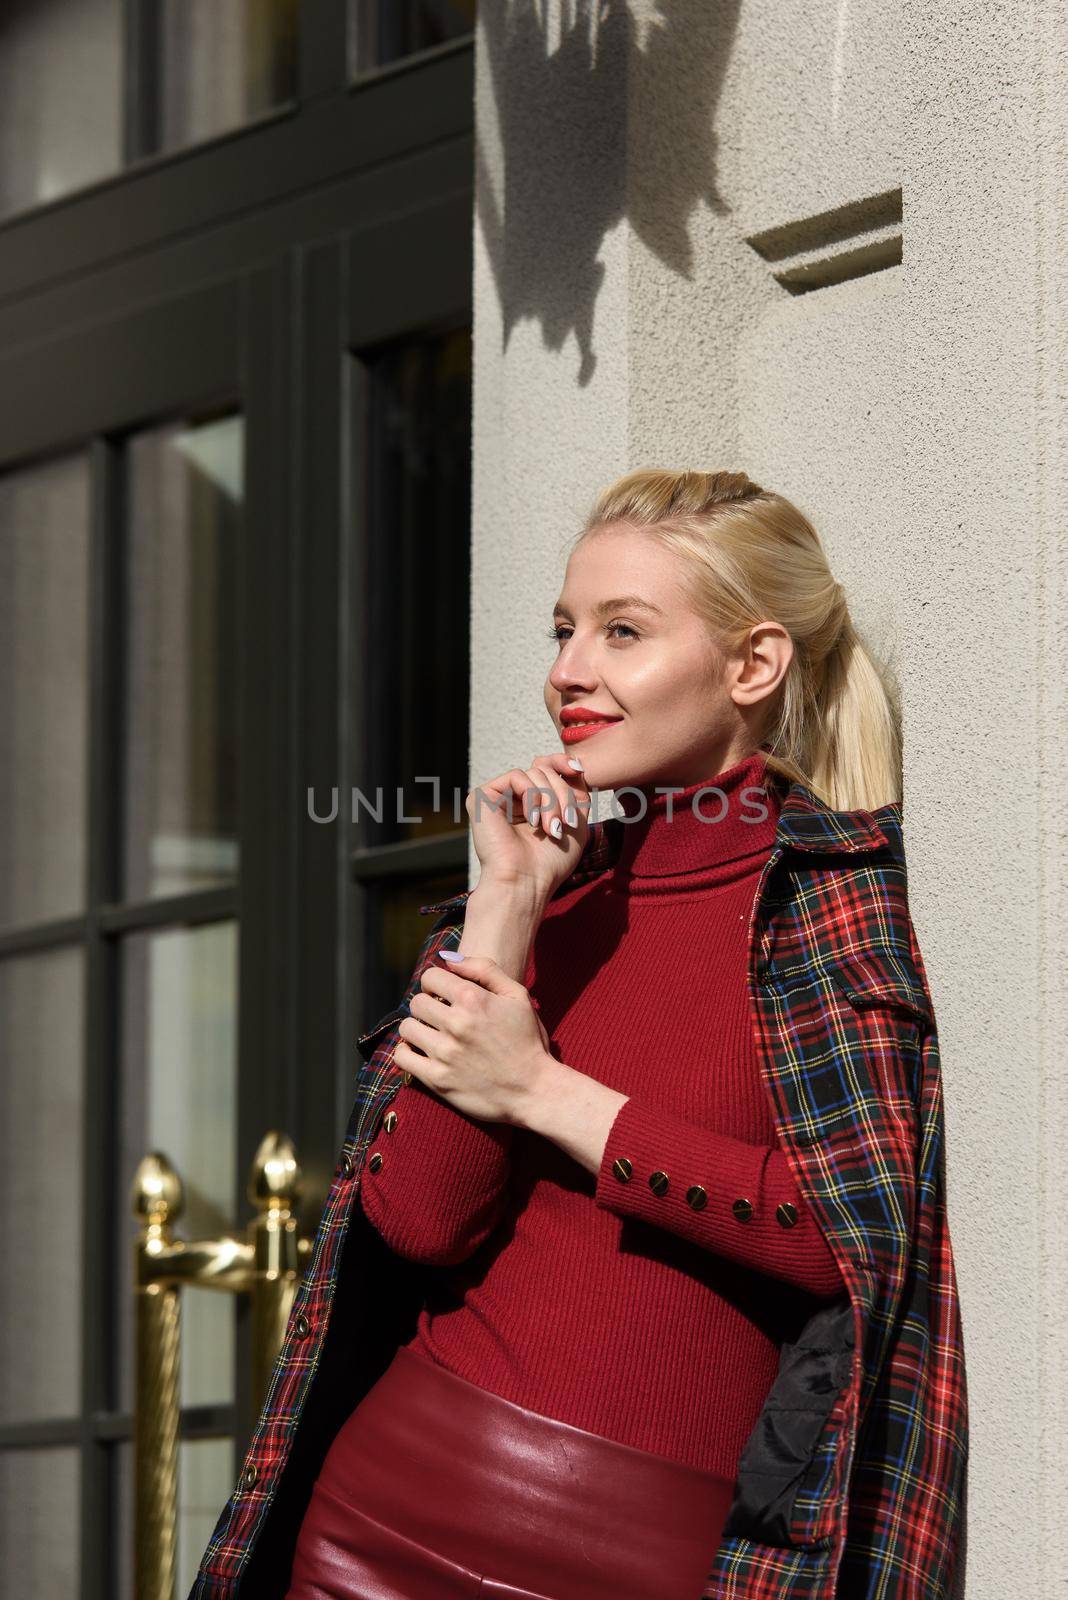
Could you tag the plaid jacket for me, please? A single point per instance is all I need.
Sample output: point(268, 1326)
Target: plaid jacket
point(851, 1483)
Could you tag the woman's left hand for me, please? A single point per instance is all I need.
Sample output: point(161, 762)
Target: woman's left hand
point(485, 1048)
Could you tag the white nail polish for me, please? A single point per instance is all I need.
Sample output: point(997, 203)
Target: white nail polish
point(570, 816)
point(534, 815)
point(573, 761)
point(556, 827)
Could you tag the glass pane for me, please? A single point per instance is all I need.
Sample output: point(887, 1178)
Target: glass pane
point(60, 97)
point(186, 493)
point(386, 30)
point(179, 1096)
point(41, 1116)
point(44, 645)
point(414, 681)
point(221, 65)
point(206, 1472)
point(40, 1522)
point(396, 934)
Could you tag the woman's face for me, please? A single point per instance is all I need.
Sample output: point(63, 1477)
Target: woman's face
point(631, 648)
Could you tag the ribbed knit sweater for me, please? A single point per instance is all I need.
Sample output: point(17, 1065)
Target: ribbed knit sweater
point(651, 1312)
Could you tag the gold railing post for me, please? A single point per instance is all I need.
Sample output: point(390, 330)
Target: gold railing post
point(273, 1188)
point(266, 1265)
point(157, 1200)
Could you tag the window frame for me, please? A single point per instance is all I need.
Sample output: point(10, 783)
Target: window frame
point(249, 271)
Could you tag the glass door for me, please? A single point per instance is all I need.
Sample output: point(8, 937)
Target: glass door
point(235, 410)
point(135, 722)
point(408, 392)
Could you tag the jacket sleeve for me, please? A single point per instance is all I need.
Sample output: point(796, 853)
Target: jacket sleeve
point(737, 1199)
point(439, 1188)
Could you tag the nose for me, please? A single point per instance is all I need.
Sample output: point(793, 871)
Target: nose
point(572, 669)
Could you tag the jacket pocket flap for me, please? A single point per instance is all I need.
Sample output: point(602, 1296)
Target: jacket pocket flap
point(881, 977)
point(368, 1042)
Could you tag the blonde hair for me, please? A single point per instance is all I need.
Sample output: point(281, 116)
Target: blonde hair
point(751, 556)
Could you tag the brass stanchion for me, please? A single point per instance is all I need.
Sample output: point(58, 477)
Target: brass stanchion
point(266, 1265)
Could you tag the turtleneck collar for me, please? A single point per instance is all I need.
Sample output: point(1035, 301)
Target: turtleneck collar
point(732, 824)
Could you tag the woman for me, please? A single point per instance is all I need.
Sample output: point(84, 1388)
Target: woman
point(667, 1147)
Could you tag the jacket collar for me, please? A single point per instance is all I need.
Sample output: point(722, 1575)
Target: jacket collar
point(805, 823)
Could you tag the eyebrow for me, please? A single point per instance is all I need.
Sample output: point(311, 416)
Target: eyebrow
point(623, 602)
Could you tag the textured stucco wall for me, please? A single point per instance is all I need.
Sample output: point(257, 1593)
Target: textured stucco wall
point(916, 413)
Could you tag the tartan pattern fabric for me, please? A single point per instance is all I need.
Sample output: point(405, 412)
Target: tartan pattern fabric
point(852, 1481)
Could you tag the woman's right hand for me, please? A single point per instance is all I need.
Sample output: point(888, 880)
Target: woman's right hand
point(514, 851)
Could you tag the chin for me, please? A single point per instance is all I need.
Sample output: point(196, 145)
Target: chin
point(604, 768)
point(605, 774)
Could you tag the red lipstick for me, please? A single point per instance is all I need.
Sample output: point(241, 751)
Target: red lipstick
point(579, 723)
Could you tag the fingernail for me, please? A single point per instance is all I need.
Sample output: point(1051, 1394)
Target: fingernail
point(570, 815)
point(573, 761)
point(534, 815)
point(556, 827)
point(450, 955)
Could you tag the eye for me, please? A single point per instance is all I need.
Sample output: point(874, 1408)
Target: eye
point(559, 630)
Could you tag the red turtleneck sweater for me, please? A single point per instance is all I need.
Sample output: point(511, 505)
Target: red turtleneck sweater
point(613, 1304)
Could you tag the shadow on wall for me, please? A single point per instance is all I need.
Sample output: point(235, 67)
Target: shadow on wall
point(578, 125)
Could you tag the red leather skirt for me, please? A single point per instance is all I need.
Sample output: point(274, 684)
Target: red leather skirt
point(436, 1489)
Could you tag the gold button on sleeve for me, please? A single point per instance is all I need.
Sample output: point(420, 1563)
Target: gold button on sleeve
point(375, 1161)
point(785, 1214)
point(658, 1182)
point(696, 1197)
point(389, 1121)
point(622, 1169)
point(743, 1209)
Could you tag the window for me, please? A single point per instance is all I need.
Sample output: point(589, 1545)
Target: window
point(87, 86)
point(412, 697)
point(389, 30)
